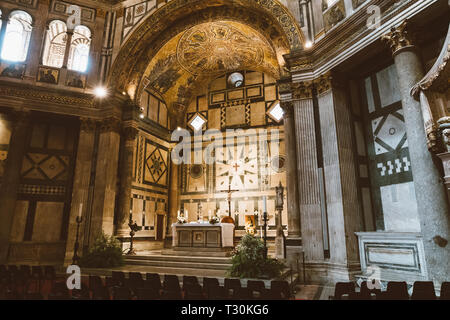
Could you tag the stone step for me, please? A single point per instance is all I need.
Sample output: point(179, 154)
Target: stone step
point(181, 258)
point(180, 261)
point(178, 264)
point(196, 253)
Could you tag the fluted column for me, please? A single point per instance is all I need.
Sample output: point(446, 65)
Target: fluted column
point(81, 183)
point(174, 192)
point(294, 222)
point(11, 179)
point(307, 172)
point(126, 178)
point(430, 192)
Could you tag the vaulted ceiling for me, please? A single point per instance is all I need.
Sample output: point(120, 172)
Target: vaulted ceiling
point(189, 61)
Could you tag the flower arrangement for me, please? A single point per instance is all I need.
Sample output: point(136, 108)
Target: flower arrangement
point(248, 260)
point(214, 220)
point(181, 219)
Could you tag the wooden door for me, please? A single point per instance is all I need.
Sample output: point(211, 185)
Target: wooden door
point(159, 226)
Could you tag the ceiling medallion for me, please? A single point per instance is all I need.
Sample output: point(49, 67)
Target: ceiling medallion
point(214, 48)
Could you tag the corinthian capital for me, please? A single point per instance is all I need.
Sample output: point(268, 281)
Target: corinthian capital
point(399, 38)
point(302, 90)
point(288, 108)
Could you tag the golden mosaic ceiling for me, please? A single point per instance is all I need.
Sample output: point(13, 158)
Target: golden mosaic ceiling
point(190, 60)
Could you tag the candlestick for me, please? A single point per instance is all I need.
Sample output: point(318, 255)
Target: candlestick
point(187, 217)
point(178, 214)
point(81, 210)
point(264, 204)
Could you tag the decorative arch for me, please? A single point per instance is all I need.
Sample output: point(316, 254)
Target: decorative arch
point(270, 17)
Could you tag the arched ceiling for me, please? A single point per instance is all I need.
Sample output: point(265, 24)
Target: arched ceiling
point(191, 59)
point(265, 21)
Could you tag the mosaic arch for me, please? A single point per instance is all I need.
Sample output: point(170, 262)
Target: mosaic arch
point(269, 17)
point(192, 59)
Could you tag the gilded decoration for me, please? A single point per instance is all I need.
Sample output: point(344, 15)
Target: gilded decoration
point(399, 38)
point(272, 20)
point(302, 90)
point(206, 48)
point(191, 59)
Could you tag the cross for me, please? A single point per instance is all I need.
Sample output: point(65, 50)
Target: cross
point(229, 198)
point(236, 166)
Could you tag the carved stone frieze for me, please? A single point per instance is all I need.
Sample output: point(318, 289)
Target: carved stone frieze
point(45, 96)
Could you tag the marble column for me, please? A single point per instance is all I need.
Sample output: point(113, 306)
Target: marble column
point(105, 179)
point(174, 192)
point(4, 20)
point(11, 179)
point(307, 173)
point(430, 192)
point(344, 215)
point(126, 179)
point(294, 223)
point(81, 182)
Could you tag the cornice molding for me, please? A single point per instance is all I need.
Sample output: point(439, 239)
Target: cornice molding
point(41, 94)
point(350, 37)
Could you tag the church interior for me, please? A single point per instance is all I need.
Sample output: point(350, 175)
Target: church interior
point(319, 127)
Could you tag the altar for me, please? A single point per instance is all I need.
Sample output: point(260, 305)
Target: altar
point(202, 235)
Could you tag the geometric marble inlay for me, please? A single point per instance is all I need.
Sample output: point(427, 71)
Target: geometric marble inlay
point(389, 133)
point(156, 165)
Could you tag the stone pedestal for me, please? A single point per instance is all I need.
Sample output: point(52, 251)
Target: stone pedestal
point(430, 192)
point(11, 180)
point(280, 244)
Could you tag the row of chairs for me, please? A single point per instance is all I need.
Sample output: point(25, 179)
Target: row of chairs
point(152, 288)
point(25, 282)
point(396, 290)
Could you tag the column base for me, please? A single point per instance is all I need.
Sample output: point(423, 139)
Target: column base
point(294, 252)
point(328, 273)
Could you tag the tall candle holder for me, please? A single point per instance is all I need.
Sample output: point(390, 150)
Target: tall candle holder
point(76, 258)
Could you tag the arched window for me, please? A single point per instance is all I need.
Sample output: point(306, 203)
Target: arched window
point(17, 37)
point(1, 21)
point(55, 44)
point(79, 49)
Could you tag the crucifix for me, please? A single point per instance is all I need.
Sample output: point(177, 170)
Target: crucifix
point(229, 198)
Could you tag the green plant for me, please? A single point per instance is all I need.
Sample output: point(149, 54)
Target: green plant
point(105, 252)
point(248, 260)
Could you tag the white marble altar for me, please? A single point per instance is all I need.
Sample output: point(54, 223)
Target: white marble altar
point(202, 235)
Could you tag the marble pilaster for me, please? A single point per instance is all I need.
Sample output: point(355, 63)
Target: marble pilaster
point(11, 179)
point(430, 192)
point(344, 214)
point(105, 179)
point(81, 183)
point(126, 178)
